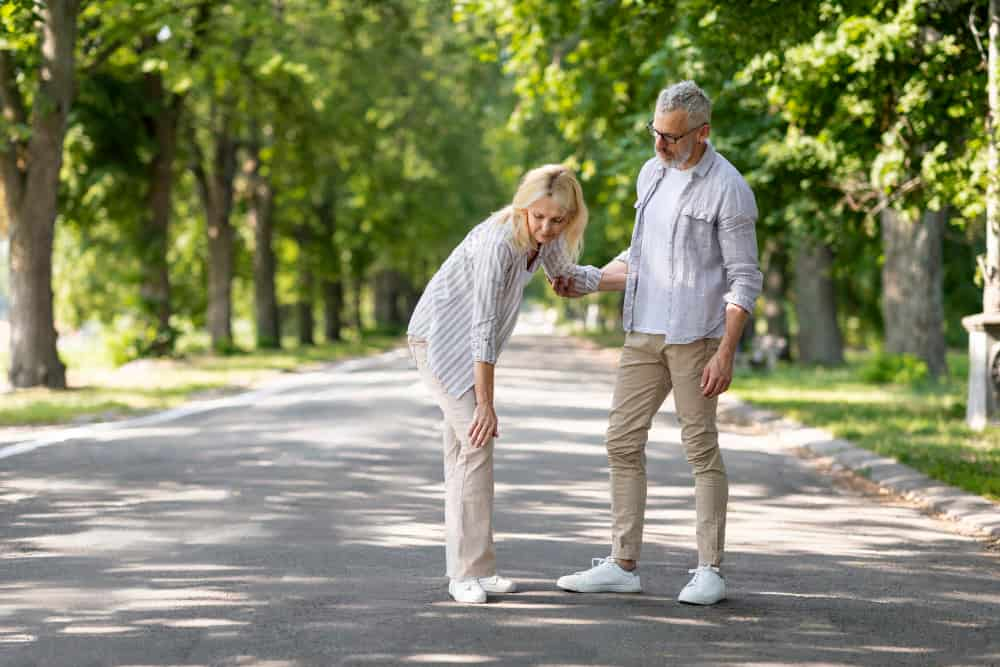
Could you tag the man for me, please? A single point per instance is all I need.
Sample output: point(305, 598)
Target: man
point(690, 278)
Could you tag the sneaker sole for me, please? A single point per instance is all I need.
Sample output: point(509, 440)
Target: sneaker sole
point(701, 604)
point(467, 601)
point(622, 588)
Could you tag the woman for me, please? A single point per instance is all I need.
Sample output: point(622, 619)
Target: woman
point(459, 327)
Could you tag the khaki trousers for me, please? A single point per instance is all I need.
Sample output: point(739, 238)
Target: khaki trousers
point(647, 372)
point(468, 481)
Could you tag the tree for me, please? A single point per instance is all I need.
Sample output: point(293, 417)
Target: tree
point(990, 264)
point(39, 54)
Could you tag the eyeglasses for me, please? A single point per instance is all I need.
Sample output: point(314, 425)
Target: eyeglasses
point(670, 139)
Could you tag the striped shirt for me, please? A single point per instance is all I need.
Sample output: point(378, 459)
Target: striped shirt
point(710, 256)
point(469, 308)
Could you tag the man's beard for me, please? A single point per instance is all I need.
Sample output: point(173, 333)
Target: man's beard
point(679, 159)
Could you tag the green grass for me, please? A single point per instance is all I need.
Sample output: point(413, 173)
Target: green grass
point(99, 391)
point(921, 425)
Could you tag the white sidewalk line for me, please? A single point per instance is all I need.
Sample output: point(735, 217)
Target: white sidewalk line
point(198, 407)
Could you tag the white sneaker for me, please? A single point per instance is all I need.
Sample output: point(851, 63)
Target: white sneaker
point(467, 590)
point(497, 584)
point(606, 576)
point(706, 586)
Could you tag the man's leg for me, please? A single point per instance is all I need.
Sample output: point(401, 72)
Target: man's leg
point(642, 384)
point(701, 442)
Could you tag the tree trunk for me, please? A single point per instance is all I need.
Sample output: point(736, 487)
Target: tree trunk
point(356, 289)
point(155, 290)
point(383, 299)
point(217, 194)
point(332, 284)
point(31, 189)
point(264, 263)
point(773, 301)
point(392, 296)
point(307, 322)
point(819, 339)
point(991, 268)
point(912, 299)
point(333, 303)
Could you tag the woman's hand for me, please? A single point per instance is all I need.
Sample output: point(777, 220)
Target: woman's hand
point(564, 286)
point(484, 425)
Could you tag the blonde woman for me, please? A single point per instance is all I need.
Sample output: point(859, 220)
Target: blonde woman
point(459, 327)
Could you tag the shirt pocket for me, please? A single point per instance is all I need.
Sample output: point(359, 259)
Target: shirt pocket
point(698, 228)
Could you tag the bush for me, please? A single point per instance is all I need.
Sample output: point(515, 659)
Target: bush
point(894, 369)
point(128, 339)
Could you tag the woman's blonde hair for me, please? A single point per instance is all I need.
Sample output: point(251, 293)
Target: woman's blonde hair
point(558, 182)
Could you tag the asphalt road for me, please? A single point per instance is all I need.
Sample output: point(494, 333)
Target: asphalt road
point(302, 525)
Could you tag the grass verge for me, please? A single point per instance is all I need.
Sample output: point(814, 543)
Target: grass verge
point(100, 392)
point(921, 425)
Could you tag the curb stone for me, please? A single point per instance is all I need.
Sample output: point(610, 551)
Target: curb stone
point(969, 510)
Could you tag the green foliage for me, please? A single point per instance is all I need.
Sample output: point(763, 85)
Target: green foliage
point(127, 339)
point(831, 109)
point(904, 369)
point(921, 425)
point(386, 130)
point(102, 392)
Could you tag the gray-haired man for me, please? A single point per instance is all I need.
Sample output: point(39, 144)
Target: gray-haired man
point(690, 278)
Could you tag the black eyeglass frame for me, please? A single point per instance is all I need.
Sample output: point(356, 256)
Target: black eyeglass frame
point(669, 138)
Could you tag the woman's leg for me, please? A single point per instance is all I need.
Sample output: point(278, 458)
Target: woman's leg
point(468, 477)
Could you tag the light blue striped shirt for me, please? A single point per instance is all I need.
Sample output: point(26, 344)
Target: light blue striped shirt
point(469, 308)
point(711, 253)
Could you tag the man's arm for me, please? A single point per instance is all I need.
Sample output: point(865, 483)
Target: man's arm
point(613, 276)
point(718, 373)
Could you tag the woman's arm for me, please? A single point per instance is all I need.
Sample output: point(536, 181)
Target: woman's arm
point(613, 277)
point(484, 423)
point(560, 268)
point(493, 265)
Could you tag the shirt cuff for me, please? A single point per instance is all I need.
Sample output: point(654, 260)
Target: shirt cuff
point(591, 278)
point(622, 256)
point(743, 301)
point(484, 347)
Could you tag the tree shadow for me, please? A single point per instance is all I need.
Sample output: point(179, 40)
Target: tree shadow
point(307, 530)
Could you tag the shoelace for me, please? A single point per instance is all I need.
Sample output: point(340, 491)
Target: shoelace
point(594, 562)
point(697, 572)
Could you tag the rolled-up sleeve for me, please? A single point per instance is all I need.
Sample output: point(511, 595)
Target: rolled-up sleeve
point(738, 241)
point(557, 262)
point(491, 269)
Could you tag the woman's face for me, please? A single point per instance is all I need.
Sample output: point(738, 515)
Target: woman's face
point(546, 220)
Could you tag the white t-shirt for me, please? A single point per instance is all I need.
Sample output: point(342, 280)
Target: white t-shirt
point(654, 267)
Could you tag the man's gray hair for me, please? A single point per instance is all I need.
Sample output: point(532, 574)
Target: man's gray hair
point(688, 96)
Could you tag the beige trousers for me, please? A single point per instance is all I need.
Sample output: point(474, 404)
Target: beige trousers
point(468, 481)
point(647, 372)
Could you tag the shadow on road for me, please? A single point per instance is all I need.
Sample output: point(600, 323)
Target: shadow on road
point(307, 531)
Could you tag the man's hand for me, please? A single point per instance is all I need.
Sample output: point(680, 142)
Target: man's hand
point(564, 286)
point(718, 373)
point(484, 425)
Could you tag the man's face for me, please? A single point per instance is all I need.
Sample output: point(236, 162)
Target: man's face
point(674, 123)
